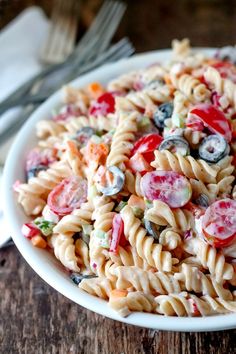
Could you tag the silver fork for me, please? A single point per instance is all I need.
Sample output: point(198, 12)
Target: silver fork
point(122, 49)
point(62, 34)
point(104, 25)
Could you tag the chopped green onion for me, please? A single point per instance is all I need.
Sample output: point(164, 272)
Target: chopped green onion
point(120, 206)
point(144, 122)
point(96, 139)
point(138, 212)
point(112, 131)
point(178, 120)
point(103, 238)
point(85, 238)
point(87, 229)
point(45, 226)
point(92, 192)
point(148, 203)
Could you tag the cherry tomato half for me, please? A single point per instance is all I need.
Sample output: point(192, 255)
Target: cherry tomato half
point(118, 237)
point(68, 195)
point(138, 163)
point(214, 119)
point(168, 186)
point(103, 105)
point(146, 145)
point(37, 157)
point(219, 223)
point(196, 210)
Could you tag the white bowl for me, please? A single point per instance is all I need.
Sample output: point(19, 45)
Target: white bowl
point(44, 263)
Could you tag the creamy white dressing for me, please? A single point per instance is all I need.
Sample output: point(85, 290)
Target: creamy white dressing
point(198, 227)
point(49, 215)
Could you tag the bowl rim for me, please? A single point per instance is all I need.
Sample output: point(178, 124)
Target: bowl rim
point(33, 256)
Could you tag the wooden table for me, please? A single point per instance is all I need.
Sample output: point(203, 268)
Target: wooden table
point(34, 318)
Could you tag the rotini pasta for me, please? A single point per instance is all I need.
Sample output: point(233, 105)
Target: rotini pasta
point(192, 279)
point(190, 167)
point(161, 214)
point(146, 248)
point(122, 140)
point(133, 301)
point(64, 250)
point(132, 185)
point(191, 87)
point(145, 281)
point(191, 305)
point(32, 196)
point(210, 259)
point(72, 223)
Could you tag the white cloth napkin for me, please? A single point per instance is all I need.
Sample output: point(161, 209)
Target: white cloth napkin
point(20, 43)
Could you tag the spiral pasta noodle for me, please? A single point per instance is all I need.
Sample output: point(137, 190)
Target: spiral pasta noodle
point(170, 239)
point(124, 82)
point(211, 259)
point(161, 214)
point(221, 85)
point(191, 305)
point(147, 282)
point(128, 256)
point(72, 223)
point(74, 124)
point(32, 195)
point(191, 87)
point(103, 216)
point(122, 140)
point(187, 165)
point(192, 279)
point(132, 183)
point(46, 128)
point(133, 301)
point(146, 248)
point(100, 287)
point(82, 253)
point(64, 250)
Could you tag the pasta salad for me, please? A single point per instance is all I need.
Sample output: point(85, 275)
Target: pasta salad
point(132, 186)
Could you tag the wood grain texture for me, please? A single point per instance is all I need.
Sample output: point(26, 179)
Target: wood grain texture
point(34, 318)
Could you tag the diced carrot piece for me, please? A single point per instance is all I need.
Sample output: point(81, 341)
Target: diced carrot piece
point(38, 241)
point(97, 152)
point(73, 148)
point(137, 202)
point(95, 89)
point(118, 293)
point(152, 270)
point(167, 79)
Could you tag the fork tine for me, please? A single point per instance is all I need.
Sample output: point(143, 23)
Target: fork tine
point(72, 25)
point(62, 34)
point(102, 14)
point(123, 48)
point(113, 12)
point(102, 22)
point(105, 31)
point(74, 57)
point(112, 28)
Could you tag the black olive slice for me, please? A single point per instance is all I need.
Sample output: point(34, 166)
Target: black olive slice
point(213, 148)
point(152, 229)
point(163, 112)
point(77, 278)
point(175, 143)
point(117, 185)
point(33, 172)
point(84, 134)
point(203, 200)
